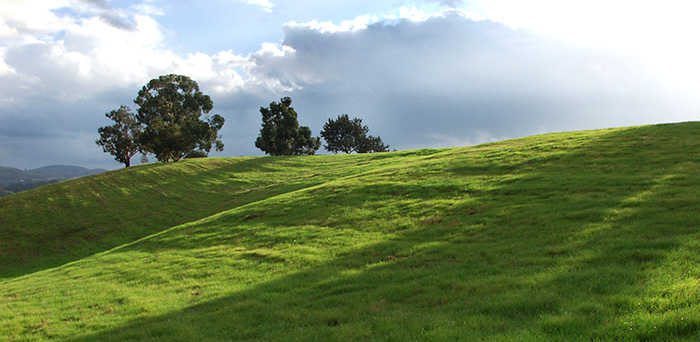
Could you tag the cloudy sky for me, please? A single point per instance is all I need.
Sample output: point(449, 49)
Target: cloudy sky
point(420, 73)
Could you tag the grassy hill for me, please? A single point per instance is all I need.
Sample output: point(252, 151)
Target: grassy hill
point(574, 236)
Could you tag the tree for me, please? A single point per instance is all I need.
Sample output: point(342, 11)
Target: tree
point(346, 135)
point(370, 144)
point(170, 108)
point(343, 134)
point(281, 134)
point(196, 154)
point(120, 139)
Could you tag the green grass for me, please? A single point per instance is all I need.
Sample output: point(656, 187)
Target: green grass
point(578, 236)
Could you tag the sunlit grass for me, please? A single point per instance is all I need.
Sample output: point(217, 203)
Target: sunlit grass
point(576, 236)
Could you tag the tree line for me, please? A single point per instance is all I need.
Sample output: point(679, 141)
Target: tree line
point(281, 134)
point(172, 122)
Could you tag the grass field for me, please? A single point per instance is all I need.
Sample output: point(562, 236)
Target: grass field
point(577, 236)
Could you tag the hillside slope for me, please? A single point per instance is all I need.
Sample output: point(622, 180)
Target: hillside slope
point(67, 221)
point(572, 236)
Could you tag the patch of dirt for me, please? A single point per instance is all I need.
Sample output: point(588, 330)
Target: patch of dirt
point(254, 216)
point(388, 258)
point(432, 220)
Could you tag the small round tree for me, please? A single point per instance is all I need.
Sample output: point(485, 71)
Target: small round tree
point(349, 135)
point(120, 139)
point(343, 134)
point(281, 134)
point(370, 144)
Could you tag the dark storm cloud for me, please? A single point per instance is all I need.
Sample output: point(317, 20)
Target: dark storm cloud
point(453, 81)
point(114, 20)
point(45, 130)
point(109, 15)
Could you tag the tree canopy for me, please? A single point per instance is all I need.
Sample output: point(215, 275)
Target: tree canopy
point(170, 110)
point(370, 144)
point(342, 134)
point(120, 139)
point(281, 134)
point(349, 135)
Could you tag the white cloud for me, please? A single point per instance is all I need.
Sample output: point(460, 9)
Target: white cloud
point(412, 14)
point(266, 5)
point(24, 17)
point(147, 9)
point(81, 54)
point(356, 24)
point(275, 50)
point(6, 30)
point(361, 22)
point(4, 68)
point(660, 35)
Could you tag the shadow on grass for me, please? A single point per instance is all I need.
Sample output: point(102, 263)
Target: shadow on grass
point(69, 221)
point(552, 253)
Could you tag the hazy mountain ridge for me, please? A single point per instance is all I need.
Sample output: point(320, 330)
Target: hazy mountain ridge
point(13, 180)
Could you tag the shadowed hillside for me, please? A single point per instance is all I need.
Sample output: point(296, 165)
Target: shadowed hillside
point(572, 236)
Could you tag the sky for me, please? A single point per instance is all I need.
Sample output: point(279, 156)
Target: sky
point(419, 73)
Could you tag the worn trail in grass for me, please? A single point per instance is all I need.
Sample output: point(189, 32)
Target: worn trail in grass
point(574, 236)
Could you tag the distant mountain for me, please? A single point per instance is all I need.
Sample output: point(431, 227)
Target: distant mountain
point(11, 175)
point(13, 180)
point(66, 171)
